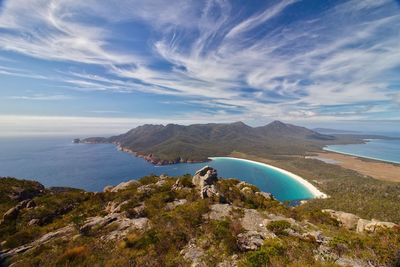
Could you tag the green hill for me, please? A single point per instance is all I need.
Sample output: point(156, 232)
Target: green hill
point(177, 143)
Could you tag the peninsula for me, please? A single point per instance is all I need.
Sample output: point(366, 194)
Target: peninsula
point(174, 143)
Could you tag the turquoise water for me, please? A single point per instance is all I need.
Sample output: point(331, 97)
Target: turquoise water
point(385, 150)
point(58, 162)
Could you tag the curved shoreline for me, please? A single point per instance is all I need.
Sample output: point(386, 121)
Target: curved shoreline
point(360, 156)
point(309, 186)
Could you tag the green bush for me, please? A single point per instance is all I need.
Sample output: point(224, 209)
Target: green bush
point(279, 227)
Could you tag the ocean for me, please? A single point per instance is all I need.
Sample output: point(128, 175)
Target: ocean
point(379, 149)
point(59, 162)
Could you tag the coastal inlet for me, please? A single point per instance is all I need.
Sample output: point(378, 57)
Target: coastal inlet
point(59, 162)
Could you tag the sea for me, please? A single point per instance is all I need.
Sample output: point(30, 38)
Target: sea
point(378, 149)
point(59, 162)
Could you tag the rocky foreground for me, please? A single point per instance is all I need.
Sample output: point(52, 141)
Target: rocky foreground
point(182, 221)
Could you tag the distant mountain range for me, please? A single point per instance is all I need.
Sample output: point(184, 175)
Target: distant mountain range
point(174, 143)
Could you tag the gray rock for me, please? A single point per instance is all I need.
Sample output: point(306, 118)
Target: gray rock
point(373, 225)
point(64, 232)
point(97, 222)
point(31, 204)
point(175, 203)
point(205, 176)
point(347, 220)
point(33, 222)
point(124, 226)
point(146, 189)
point(250, 240)
point(205, 180)
point(219, 212)
point(115, 207)
point(11, 214)
point(137, 212)
point(232, 262)
point(121, 186)
point(194, 254)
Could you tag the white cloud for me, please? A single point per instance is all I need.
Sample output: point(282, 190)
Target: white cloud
point(294, 69)
point(39, 97)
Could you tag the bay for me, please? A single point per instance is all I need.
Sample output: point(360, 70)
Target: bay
point(59, 162)
point(378, 149)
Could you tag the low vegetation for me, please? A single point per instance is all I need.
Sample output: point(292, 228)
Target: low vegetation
point(179, 230)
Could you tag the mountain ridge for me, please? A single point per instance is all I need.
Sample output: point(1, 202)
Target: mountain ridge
point(174, 143)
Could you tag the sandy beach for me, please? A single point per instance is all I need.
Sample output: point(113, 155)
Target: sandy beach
point(376, 169)
point(316, 193)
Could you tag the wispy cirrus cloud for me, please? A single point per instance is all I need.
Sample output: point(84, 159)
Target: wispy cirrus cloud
point(264, 63)
point(40, 97)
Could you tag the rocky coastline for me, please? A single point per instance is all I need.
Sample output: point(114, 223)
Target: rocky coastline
point(149, 157)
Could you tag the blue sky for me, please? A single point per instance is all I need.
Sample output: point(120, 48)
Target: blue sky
point(71, 66)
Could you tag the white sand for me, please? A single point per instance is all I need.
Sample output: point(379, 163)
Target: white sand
point(313, 190)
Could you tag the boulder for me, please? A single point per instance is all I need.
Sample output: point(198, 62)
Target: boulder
point(372, 226)
point(219, 212)
point(114, 207)
point(175, 203)
point(347, 220)
point(205, 176)
point(31, 204)
point(250, 240)
point(137, 212)
point(121, 186)
point(193, 254)
point(124, 226)
point(205, 180)
point(11, 214)
point(97, 222)
point(64, 232)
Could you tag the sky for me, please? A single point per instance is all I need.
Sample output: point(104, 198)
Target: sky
point(103, 67)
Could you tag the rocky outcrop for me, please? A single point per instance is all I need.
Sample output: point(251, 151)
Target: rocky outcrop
point(250, 240)
point(373, 225)
point(64, 232)
point(205, 179)
point(205, 176)
point(347, 220)
point(353, 222)
point(193, 254)
point(13, 213)
point(114, 207)
point(121, 186)
point(121, 222)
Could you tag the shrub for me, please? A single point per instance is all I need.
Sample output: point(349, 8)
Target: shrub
point(279, 227)
point(257, 258)
point(73, 254)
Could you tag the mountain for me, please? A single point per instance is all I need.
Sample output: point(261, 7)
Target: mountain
point(174, 143)
point(182, 221)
